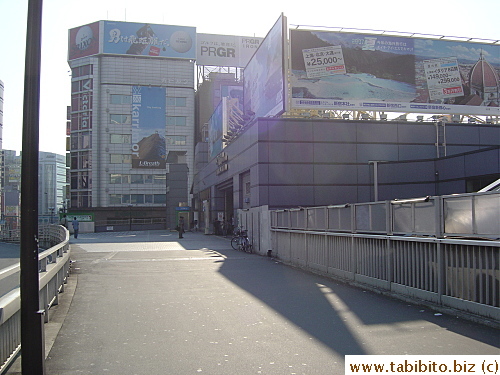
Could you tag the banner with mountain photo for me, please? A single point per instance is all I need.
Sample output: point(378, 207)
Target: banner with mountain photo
point(148, 127)
point(332, 70)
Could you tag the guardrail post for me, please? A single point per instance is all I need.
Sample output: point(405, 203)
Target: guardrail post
point(441, 271)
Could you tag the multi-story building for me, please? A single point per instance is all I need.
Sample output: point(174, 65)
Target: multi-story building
point(132, 121)
point(10, 185)
point(1, 113)
point(51, 185)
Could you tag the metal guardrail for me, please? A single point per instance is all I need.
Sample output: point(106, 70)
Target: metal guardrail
point(463, 274)
point(54, 267)
point(438, 249)
point(475, 215)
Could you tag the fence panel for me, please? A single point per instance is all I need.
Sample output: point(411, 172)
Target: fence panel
point(317, 254)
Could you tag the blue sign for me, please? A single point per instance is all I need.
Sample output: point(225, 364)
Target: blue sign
point(148, 127)
point(128, 38)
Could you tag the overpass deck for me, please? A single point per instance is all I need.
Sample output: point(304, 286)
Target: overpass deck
point(150, 303)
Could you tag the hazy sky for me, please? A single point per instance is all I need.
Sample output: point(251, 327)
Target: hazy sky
point(475, 19)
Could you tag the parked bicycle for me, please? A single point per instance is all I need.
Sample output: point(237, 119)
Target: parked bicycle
point(240, 240)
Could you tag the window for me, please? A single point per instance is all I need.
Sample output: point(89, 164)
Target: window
point(80, 180)
point(80, 141)
point(115, 199)
point(137, 198)
point(160, 198)
point(174, 101)
point(120, 159)
point(83, 70)
point(121, 99)
point(81, 120)
point(159, 179)
point(137, 179)
point(121, 199)
point(179, 140)
point(84, 160)
point(83, 85)
point(121, 138)
point(80, 160)
point(120, 119)
point(176, 120)
point(117, 178)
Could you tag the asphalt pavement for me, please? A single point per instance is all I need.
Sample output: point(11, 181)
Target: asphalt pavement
point(150, 303)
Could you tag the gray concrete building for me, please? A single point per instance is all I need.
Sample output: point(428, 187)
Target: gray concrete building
point(286, 162)
point(132, 117)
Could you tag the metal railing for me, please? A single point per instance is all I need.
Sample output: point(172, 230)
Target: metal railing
point(54, 267)
point(439, 249)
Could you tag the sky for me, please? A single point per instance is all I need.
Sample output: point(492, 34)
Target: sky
point(460, 18)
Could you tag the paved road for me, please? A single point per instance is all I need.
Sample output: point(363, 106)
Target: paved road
point(153, 304)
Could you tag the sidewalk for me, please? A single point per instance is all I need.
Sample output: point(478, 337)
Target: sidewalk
point(149, 303)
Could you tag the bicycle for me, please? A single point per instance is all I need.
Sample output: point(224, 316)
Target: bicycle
point(240, 240)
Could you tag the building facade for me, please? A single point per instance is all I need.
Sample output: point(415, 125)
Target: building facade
point(10, 185)
point(285, 163)
point(1, 113)
point(51, 185)
point(131, 120)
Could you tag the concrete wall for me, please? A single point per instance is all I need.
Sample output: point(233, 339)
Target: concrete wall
point(314, 162)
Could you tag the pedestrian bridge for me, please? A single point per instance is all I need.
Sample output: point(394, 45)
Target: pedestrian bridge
point(150, 303)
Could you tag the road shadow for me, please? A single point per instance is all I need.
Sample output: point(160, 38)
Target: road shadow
point(332, 311)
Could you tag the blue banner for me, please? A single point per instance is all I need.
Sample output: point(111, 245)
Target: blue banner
point(148, 127)
point(128, 38)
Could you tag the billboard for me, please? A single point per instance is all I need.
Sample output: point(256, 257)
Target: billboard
point(148, 127)
point(264, 91)
point(352, 71)
point(83, 41)
point(225, 50)
point(129, 38)
point(217, 127)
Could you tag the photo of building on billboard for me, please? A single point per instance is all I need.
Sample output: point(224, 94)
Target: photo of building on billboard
point(351, 71)
point(83, 41)
point(264, 76)
point(128, 38)
point(148, 127)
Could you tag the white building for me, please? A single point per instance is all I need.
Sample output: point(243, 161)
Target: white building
point(51, 184)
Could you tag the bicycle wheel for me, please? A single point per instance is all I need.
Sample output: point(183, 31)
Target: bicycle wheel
point(235, 243)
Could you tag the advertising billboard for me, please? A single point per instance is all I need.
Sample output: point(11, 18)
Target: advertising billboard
point(148, 127)
point(352, 71)
point(217, 127)
point(225, 50)
point(129, 38)
point(83, 41)
point(264, 91)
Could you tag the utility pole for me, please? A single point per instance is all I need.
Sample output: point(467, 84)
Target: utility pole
point(32, 337)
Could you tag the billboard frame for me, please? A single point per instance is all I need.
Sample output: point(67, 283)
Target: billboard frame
point(284, 70)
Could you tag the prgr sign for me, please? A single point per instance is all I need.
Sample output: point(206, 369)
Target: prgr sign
point(225, 50)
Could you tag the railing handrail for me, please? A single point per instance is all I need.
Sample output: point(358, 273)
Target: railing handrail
point(53, 263)
point(437, 216)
